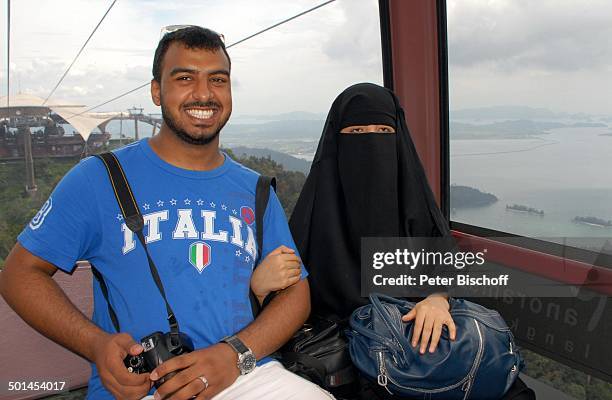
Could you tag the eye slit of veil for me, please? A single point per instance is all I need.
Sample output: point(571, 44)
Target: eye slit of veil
point(371, 128)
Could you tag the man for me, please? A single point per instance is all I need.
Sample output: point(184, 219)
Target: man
point(198, 210)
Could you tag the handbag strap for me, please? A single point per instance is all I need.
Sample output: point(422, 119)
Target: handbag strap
point(262, 195)
point(135, 222)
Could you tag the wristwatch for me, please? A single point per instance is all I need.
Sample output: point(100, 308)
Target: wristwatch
point(246, 358)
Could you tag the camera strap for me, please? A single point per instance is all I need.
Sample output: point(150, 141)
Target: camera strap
point(262, 195)
point(135, 222)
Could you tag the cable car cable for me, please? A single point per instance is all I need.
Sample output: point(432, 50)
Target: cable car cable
point(79, 53)
point(227, 47)
point(8, 56)
point(281, 23)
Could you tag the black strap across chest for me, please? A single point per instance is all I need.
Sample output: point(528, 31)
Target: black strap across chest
point(135, 222)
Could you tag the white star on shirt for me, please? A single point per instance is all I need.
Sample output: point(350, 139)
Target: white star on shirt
point(212, 204)
point(223, 207)
point(146, 206)
point(120, 217)
point(160, 203)
point(173, 202)
point(238, 253)
point(247, 258)
point(187, 202)
point(200, 202)
point(234, 212)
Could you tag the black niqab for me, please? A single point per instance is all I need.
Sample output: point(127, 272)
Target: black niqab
point(359, 185)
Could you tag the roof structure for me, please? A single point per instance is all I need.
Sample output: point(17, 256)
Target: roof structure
point(27, 104)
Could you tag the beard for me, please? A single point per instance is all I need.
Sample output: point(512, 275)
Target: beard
point(182, 133)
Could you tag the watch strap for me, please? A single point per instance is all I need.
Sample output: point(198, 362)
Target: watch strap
point(236, 344)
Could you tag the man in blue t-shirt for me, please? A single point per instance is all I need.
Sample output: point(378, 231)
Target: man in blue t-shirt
point(198, 207)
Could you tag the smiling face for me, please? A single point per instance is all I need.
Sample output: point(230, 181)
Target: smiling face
point(194, 93)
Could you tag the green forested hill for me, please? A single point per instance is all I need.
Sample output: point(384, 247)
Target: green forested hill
point(18, 208)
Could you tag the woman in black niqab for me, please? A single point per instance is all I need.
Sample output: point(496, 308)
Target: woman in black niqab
point(360, 185)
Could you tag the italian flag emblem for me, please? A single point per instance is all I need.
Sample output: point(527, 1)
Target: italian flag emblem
point(199, 255)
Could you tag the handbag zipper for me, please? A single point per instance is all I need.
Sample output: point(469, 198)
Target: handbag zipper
point(382, 372)
point(467, 386)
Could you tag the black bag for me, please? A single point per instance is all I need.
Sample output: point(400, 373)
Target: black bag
point(319, 353)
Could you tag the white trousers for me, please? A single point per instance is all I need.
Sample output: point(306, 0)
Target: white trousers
point(271, 381)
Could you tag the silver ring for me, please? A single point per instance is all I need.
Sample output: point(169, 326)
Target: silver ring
point(204, 381)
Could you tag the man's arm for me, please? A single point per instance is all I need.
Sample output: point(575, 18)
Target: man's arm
point(27, 285)
point(278, 321)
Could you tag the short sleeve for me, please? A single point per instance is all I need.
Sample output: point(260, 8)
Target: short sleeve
point(276, 229)
point(66, 228)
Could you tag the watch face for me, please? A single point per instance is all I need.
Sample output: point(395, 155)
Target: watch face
point(246, 363)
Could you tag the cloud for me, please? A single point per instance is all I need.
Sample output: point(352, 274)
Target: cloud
point(301, 65)
point(549, 35)
point(357, 40)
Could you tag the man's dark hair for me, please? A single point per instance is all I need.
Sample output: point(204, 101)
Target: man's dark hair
point(193, 37)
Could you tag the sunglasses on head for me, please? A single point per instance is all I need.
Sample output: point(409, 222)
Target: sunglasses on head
point(174, 28)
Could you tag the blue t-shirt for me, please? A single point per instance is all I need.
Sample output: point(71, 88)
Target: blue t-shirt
point(200, 230)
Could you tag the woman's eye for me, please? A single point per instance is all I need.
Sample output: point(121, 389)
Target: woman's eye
point(356, 130)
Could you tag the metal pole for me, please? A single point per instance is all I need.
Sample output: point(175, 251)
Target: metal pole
point(135, 127)
point(30, 186)
point(8, 55)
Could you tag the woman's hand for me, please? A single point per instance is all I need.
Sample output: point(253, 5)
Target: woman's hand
point(279, 270)
point(429, 315)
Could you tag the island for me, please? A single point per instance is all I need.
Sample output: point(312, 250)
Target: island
point(468, 197)
point(593, 221)
point(524, 209)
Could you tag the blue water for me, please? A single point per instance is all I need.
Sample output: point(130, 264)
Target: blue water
point(566, 173)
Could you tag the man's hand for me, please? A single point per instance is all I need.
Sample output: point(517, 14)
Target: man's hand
point(108, 357)
point(216, 364)
point(279, 270)
point(429, 315)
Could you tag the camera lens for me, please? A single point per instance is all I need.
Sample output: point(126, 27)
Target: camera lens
point(136, 362)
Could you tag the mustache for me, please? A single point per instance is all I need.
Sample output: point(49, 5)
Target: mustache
point(202, 104)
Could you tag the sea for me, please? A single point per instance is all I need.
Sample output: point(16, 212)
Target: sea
point(566, 173)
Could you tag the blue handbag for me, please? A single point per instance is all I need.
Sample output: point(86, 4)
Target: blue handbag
point(482, 363)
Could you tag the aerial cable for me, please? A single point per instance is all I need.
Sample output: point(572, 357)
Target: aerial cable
point(111, 100)
point(8, 55)
point(79, 53)
point(280, 23)
point(227, 47)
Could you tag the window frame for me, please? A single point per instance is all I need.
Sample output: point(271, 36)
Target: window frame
point(429, 128)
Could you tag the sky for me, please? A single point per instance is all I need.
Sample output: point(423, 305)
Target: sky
point(546, 53)
point(300, 66)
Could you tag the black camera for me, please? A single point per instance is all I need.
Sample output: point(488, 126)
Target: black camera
point(158, 347)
